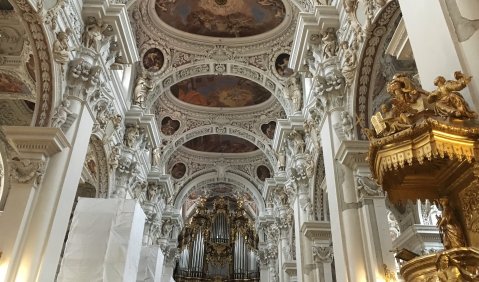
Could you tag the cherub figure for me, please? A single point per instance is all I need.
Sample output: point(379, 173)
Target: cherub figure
point(61, 114)
point(448, 102)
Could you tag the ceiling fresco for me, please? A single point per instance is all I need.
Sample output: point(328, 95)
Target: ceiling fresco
point(215, 143)
point(222, 18)
point(220, 91)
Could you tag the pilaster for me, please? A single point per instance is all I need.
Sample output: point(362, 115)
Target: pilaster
point(27, 209)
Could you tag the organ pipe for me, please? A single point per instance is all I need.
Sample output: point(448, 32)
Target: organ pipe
point(218, 243)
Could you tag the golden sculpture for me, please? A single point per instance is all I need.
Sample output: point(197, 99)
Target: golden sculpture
point(449, 227)
point(449, 102)
point(425, 145)
point(409, 103)
point(451, 270)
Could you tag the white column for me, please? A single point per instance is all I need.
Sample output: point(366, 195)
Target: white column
point(444, 38)
point(49, 223)
point(347, 241)
point(370, 211)
point(32, 201)
point(104, 242)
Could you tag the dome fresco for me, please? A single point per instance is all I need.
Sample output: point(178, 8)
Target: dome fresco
point(220, 91)
point(215, 143)
point(222, 18)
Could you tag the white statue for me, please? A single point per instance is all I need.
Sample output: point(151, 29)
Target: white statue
point(93, 34)
point(281, 159)
point(156, 157)
point(141, 90)
point(347, 124)
point(61, 51)
point(328, 42)
point(293, 93)
point(61, 113)
point(348, 67)
point(298, 144)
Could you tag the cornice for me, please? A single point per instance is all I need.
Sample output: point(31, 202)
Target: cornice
point(36, 142)
point(316, 230)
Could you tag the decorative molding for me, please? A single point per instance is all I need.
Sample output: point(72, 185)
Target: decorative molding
point(370, 50)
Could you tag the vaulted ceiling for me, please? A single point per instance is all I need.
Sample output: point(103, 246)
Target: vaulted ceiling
point(218, 68)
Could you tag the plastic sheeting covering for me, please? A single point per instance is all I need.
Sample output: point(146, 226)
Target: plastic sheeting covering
point(104, 242)
point(151, 264)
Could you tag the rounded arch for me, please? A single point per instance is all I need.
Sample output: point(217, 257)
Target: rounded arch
point(211, 67)
point(371, 50)
point(260, 142)
point(46, 81)
point(212, 177)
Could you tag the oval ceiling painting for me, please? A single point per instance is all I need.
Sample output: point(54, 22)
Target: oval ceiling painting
point(220, 91)
point(221, 18)
point(215, 143)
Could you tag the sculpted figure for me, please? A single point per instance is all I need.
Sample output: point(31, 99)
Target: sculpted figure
point(450, 270)
point(61, 114)
point(347, 124)
point(281, 159)
point(348, 68)
point(156, 157)
point(297, 140)
point(141, 90)
point(132, 135)
point(61, 50)
point(389, 121)
point(329, 45)
point(449, 102)
point(449, 227)
point(294, 93)
point(94, 33)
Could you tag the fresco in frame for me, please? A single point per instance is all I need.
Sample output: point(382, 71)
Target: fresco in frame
point(221, 18)
point(220, 91)
point(215, 143)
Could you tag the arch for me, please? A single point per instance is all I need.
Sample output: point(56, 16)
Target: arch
point(212, 177)
point(261, 143)
point(44, 67)
point(371, 49)
point(211, 67)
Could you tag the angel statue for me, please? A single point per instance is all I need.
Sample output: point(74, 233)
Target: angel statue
point(447, 101)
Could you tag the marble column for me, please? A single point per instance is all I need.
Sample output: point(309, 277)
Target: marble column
point(371, 209)
point(347, 243)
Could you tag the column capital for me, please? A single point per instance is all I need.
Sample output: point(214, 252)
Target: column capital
point(316, 231)
point(352, 153)
point(36, 142)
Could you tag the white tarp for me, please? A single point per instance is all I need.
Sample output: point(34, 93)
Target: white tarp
point(151, 264)
point(104, 242)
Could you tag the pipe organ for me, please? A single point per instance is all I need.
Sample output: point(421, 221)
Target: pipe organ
point(219, 243)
